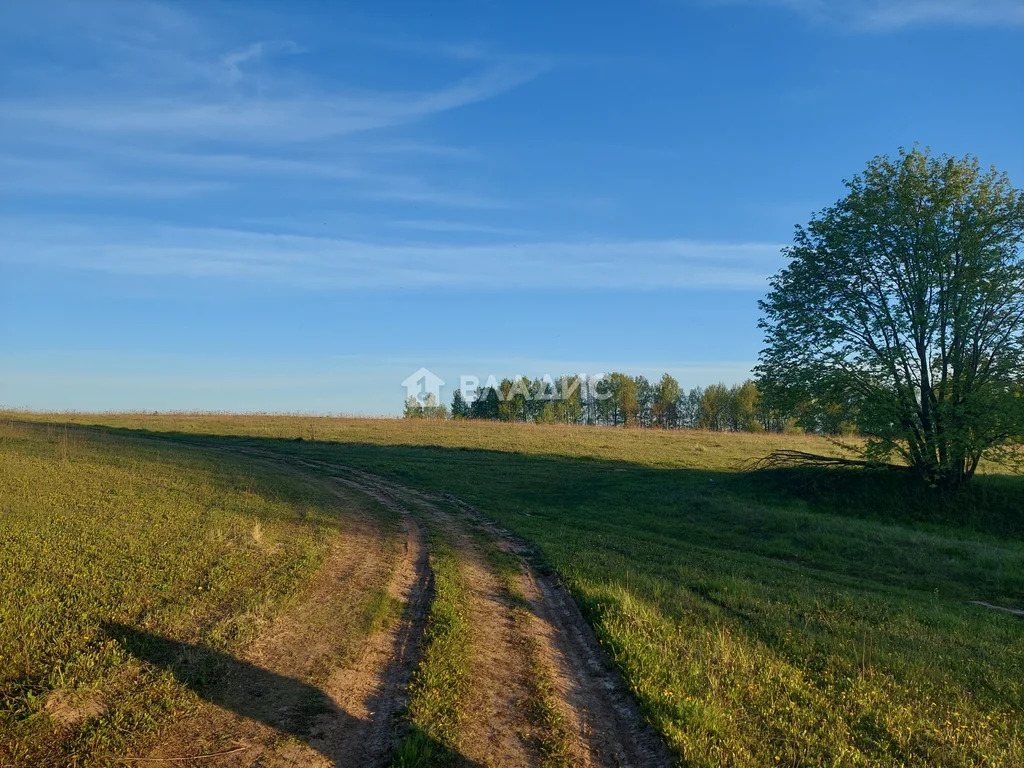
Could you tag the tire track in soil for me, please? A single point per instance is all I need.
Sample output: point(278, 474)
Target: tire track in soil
point(605, 724)
point(367, 691)
point(495, 731)
point(371, 689)
point(374, 689)
point(606, 727)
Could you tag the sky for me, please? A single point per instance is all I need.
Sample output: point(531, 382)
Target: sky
point(292, 206)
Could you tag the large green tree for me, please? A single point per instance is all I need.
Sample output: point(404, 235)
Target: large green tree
point(905, 300)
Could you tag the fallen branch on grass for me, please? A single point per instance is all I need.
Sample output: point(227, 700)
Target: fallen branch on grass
point(789, 458)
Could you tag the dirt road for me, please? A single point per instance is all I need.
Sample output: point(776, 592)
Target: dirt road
point(540, 690)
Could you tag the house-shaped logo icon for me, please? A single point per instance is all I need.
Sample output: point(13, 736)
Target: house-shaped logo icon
point(424, 386)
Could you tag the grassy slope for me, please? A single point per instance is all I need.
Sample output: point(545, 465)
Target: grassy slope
point(759, 620)
point(100, 530)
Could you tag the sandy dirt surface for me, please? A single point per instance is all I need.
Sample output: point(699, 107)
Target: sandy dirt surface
point(313, 691)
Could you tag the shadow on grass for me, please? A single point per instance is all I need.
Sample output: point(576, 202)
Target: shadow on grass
point(736, 545)
point(989, 504)
point(992, 504)
point(288, 705)
point(284, 703)
point(418, 750)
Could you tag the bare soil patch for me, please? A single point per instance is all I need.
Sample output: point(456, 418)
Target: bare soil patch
point(606, 727)
point(314, 689)
point(362, 685)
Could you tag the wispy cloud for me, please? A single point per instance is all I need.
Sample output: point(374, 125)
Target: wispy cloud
point(287, 118)
point(151, 99)
point(110, 172)
point(342, 264)
point(234, 62)
point(22, 176)
point(459, 227)
point(175, 114)
point(892, 15)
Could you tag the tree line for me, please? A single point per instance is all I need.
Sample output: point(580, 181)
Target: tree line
point(619, 399)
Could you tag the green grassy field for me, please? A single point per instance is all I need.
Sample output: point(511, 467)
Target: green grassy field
point(812, 618)
point(108, 531)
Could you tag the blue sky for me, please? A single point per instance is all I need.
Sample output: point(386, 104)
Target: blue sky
point(290, 207)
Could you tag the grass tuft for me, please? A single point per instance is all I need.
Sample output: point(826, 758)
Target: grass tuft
point(440, 682)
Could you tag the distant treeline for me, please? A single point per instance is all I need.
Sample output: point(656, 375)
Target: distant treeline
point(621, 400)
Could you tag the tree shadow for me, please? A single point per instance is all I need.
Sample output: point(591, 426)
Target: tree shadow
point(288, 705)
point(755, 528)
point(990, 504)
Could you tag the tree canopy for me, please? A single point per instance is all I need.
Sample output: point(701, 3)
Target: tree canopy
point(903, 307)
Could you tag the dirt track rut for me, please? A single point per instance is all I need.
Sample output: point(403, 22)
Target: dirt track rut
point(603, 727)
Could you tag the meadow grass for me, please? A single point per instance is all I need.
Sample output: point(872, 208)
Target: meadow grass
point(439, 685)
point(789, 618)
point(100, 530)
